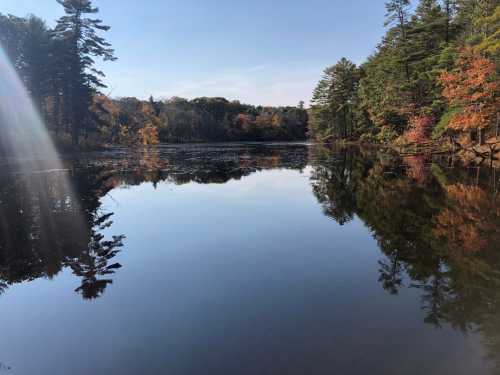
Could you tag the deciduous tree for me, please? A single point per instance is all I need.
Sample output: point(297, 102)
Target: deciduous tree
point(473, 89)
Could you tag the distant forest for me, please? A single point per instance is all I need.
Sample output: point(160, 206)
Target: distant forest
point(57, 66)
point(432, 78)
point(129, 120)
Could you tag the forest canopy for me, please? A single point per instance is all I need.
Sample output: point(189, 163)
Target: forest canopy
point(434, 74)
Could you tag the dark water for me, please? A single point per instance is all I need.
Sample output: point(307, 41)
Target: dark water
point(249, 259)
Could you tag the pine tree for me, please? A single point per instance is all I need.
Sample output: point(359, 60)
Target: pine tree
point(449, 8)
point(397, 11)
point(333, 101)
point(79, 35)
point(343, 93)
point(489, 41)
point(36, 59)
point(426, 40)
point(11, 37)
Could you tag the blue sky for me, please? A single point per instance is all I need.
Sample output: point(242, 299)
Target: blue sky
point(260, 52)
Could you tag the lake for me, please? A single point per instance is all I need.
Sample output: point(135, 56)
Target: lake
point(249, 259)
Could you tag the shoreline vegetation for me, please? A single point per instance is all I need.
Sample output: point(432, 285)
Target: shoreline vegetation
point(431, 86)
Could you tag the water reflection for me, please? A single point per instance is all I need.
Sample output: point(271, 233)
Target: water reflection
point(436, 222)
point(52, 219)
point(427, 216)
point(47, 224)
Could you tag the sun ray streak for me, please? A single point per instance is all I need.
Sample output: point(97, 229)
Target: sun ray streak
point(23, 134)
point(29, 154)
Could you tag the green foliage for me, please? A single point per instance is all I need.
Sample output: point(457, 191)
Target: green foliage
point(334, 109)
point(489, 40)
point(442, 126)
point(398, 83)
point(439, 175)
point(386, 135)
point(27, 42)
point(401, 80)
point(368, 138)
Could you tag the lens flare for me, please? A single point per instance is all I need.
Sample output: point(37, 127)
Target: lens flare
point(29, 160)
point(23, 134)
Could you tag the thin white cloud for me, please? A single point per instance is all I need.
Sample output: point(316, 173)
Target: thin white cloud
point(249, 85)
point(256, 68)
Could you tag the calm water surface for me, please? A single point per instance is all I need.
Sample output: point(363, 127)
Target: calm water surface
point(249, 259)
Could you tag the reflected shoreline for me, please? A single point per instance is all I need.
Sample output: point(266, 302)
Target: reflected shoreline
point(436, 222)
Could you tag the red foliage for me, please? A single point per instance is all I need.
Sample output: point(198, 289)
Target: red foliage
point(244, 121)
point(420, 129)
point(416, 168)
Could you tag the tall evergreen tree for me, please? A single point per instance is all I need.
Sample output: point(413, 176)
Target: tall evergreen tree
point(426, 39)
point(36, 59)
point(12, 37)
point(397, 11)
point(489, 41)
point(82, 43)
point(449, 8)
point(333, 101)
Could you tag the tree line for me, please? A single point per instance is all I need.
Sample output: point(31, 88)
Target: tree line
point(433, 75)
point(57, 66)
point(177, 120)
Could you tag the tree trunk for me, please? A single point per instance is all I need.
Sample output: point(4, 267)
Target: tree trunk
point(448, 19)
point(345, 123)
point(498, 123)
point(480, 136)
point(473, 136)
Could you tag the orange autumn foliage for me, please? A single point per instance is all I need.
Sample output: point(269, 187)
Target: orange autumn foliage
point(468, 220)
point(473, 88)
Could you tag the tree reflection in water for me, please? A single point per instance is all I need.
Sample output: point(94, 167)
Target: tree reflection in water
point(47, 225)
point(45, 228)
point(437, 225)
point(436, 222)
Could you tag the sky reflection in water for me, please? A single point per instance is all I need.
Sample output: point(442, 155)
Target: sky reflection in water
point(251, 259)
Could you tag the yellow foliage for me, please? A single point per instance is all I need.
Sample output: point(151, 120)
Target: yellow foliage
point(148, 135)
